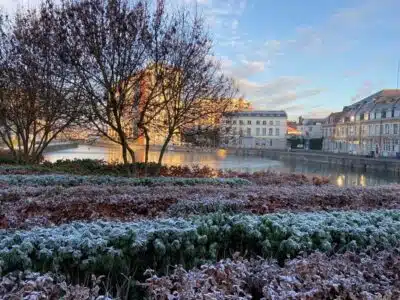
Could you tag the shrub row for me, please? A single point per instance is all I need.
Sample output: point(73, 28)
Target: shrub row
point(114, 248)
point(100, 167)
point(75, 180)
point(364, 276)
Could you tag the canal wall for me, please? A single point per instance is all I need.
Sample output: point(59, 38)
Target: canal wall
point(342, 160)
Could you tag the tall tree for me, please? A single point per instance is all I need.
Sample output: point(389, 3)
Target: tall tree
point(106, 42)
point(39, 97)
point(194, 89)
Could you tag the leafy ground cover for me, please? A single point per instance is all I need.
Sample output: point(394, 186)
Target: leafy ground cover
point(75, 180)
point(99, 167)
point(101, 247)
point(318, 276)
point(26, 206)
point(77, 235)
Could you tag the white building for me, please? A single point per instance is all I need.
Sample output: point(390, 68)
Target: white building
point(311, 128)
point(255, 129)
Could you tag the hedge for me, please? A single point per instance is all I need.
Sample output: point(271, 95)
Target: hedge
point(75, 180)
point(115, 247)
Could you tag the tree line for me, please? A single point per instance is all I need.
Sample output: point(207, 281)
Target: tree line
point(111, 65)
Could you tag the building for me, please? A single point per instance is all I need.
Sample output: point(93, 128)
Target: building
point(292, 130)
point(310, 128)
point(369, 125)
point(139, 95)
point(254, 129)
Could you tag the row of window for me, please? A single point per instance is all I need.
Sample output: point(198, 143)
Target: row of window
point(374, 116)
point(370, 130)
point(388, 145)
point(249, 122)
point(259, 131)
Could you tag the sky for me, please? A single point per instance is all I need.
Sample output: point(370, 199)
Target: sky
point(308, 57)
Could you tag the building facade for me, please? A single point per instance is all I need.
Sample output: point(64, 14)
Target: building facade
point(311, 128)
point(369, 125)
point(254, 129)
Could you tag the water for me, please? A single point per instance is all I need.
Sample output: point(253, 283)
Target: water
point(221, 160)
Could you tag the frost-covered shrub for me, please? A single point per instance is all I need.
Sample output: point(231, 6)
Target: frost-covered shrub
point(205, 206)
point(74, 180)
point(109, 247)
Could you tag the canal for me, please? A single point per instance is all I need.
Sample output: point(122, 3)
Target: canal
point(220, 160)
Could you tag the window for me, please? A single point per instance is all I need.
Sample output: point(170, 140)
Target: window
point(264, 122)
point(375, 115)
point(248, 122)
point(370, 130)
point(241, 122)
point(270, 143)
point(277, 131)
point(392, 112)
point(383, 114)
point(271, 122)
point(270, 131)
point(395, 128)
point(264, 142)
point(248, 132)
point(234, 122)
point(376, 129)
point(278, 123)
point(310, 129)
point(381, 129)
point(228, 121)
point(241, 131)
point(258, 142)
point(361, 117)
point(386, 128)
point(257, 131)
point(258, 122)
point(264, 131)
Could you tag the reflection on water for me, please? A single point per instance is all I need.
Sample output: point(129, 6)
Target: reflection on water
point(221, 160)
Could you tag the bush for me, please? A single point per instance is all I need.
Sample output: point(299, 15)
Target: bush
point(74, 180)
point(114, 247)
point(7, 158)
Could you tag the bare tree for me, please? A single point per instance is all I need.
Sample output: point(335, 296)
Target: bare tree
point(37, 99)
point(107, 43)
point(194, 90)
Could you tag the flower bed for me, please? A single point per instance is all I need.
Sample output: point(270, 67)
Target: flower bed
point(25, 206)
point(74, 180)
point(343, 276)
point(114, 248)
point(98, 167)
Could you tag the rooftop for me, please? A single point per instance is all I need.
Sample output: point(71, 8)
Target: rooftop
point(259, 113)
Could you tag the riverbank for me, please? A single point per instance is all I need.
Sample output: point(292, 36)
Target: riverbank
point(352, 162)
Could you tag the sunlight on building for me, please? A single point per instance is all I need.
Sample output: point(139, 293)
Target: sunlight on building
point(221, 153)
point(363, 180)
point(340, 180)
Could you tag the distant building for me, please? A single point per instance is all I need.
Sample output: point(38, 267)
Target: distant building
point(138, 96)
point(254, 129)
point(310, 128)
point(369, 125)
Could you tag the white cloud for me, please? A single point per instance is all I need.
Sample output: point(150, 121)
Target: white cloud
point(235, 24)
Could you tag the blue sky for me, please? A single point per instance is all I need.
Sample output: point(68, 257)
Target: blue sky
point(309, 57)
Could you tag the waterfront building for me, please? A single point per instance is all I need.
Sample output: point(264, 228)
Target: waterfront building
point(311, 128)
point(254, 129)
point(369, 125)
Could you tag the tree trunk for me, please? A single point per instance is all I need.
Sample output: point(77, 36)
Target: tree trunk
point(162, 152)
